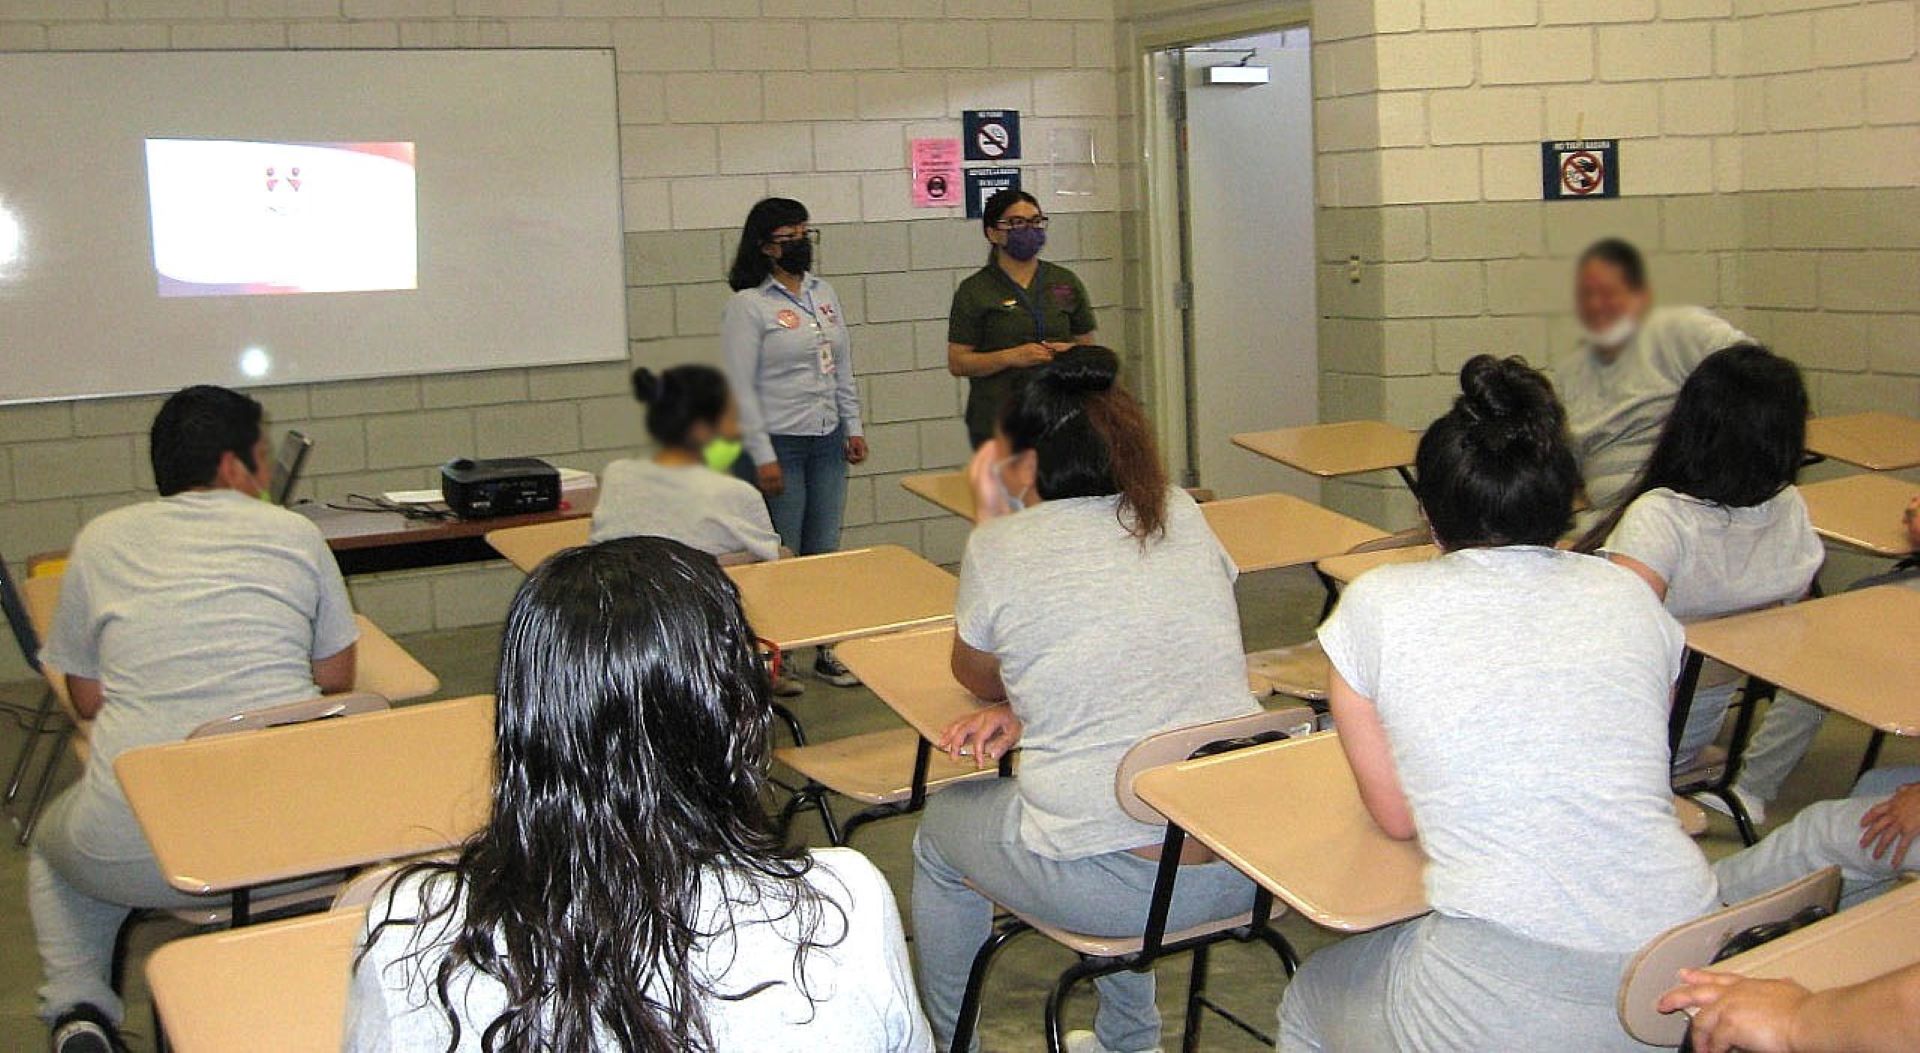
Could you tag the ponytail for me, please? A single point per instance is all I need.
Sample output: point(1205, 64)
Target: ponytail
point(1090, 437)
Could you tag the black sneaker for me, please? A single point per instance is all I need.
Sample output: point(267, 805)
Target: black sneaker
point(85, 1029)
point(828, 668)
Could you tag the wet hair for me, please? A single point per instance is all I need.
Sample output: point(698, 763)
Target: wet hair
point(1735, 437)
point(1498, 468)
point(630, 759)
point(750, 265)
point(194, 429)
point(1000, 202)
point(1090, 436)
point(679, 398)
point(1620, 254)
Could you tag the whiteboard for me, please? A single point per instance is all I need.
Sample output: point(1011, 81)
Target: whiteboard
point(276, 217)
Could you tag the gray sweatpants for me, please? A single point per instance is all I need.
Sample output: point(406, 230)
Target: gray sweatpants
point(971, 832)
point(1823, 834)
point(78, 898)
point(1442, 983)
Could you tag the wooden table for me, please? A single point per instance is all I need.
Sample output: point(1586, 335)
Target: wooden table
point(912, 672)
point(371, 541)
point(1289, 816)
point(526, 547)
point(947, 490)
point(1862, 511)
point(282, 985)
point(228, 813)
point(1332, 450)
point(1855, 945)
point(1880, 441)
point(1853, 653)
point(381, 665)
point(1270, 531)
point(1344, 569)
point(840, 596)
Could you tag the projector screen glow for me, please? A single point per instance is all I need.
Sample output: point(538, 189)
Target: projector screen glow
point(243, 217)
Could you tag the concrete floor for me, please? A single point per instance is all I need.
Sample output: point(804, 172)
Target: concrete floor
point(1276, 608)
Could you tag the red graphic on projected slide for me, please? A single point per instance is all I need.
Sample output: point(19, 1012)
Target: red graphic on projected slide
point(1582, 173)
point(246, 217)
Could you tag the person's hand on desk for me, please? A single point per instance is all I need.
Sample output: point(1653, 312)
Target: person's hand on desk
point(856, 449)
point(772, 482)
point(1732, 1012)
point(1893, 824)
point(985, 736)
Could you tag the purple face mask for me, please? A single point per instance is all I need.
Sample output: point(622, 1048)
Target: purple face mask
point(1024, 243)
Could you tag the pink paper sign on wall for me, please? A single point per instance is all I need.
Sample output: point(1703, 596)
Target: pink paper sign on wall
point(936, 173)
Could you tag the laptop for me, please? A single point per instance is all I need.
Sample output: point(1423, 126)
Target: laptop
point(287, 465)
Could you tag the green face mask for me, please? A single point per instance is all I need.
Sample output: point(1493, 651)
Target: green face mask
point(720, 454)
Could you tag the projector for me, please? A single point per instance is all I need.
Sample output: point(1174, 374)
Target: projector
point(504, 486)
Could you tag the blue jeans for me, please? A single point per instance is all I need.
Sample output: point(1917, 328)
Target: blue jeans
point(807, 514)
point(972, 831)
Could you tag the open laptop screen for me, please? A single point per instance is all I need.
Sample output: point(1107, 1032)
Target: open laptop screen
point(287, 463)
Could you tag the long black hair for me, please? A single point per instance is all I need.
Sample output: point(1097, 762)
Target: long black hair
point(679, 398)
point(751, 265)
point(630, 756)
point(1735, 437)
point(1090, 437)
point(1498, 468)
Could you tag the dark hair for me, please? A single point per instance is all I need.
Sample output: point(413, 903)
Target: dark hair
point(197, 426)
point(680, 398)
point(630, 756)
point(750, 265)
point(1000, 202)
point(1621, 254)
point(1498, 468)
point(1735, 437)
point(1090, 437)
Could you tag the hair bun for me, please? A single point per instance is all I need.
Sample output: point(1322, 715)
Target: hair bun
point(1085, 370)
point(646, 386)
point(1505, 399)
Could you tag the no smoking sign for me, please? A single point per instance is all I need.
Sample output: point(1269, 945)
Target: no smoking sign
point(1580, 168)
point(992, 135)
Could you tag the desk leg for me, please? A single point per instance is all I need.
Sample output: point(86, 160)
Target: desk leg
point(1406, 476)
point(1872, 758)
point(1162, 902)
point(242, 907)
point(1683, 701)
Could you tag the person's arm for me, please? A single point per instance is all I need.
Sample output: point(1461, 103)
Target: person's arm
point(1647, 574)
point(86, 694)
point(1081, 322)
point(1364, 739)
point(740, 353)
point(964, 361)
point(1731, 1012)
point(1649, 542)
point(846, 395)
point(334, 673)
point(1892, 825)
point(977, 671)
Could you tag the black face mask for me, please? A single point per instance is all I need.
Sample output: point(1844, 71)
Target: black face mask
point(795, 257)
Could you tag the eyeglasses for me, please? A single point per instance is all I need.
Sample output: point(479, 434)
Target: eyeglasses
point(1022, 223)
point(809, 234)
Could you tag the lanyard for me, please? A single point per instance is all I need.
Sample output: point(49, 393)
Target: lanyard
point(808, 307)
point(1033, 308)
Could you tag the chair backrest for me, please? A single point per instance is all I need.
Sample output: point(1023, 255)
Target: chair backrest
point(322, 708)
point(1693, 944)
point(1172, 747)
point(1407, 538)
point(359, 890)
point(17, 620)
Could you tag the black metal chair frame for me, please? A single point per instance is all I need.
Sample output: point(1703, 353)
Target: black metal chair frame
point(1154, 946)
point(47, 719)
point(1744, 707)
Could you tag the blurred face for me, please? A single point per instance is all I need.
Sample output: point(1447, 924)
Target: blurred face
point(1603, 299)
point(1022, 213)
point(1018, 472)
point(726, 426)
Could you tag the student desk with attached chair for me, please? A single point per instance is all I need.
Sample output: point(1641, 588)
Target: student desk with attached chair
point(1333, 450)
point(1878, 441)
point(1853, 946)
point(281, 985)
point(1863, 512)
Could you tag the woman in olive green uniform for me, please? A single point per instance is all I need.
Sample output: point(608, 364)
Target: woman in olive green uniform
point(1014, 314)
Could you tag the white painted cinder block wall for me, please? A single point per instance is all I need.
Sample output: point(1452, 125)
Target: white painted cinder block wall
point(721, 102)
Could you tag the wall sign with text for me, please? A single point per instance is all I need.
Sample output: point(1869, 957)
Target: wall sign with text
point(983, 183)
point(1580, 168)
point(992, 135)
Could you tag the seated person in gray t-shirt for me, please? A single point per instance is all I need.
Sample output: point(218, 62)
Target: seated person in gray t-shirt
point(1486, 699)
point(204, 603)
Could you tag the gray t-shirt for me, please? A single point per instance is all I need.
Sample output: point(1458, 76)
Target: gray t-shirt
point(188, 609)
point(1102, 642)
point(1524, 693)
point(862, 995)
point(1719, 560)
point(1615, 410)
point(692, 504)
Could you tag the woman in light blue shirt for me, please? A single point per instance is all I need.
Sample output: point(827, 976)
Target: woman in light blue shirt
point(788, 356)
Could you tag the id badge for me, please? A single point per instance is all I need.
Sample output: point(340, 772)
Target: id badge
point(826, 354)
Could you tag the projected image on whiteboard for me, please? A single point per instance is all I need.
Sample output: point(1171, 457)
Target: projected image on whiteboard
point(237, 217)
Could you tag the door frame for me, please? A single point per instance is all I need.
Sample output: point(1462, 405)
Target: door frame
point(1163, 250)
